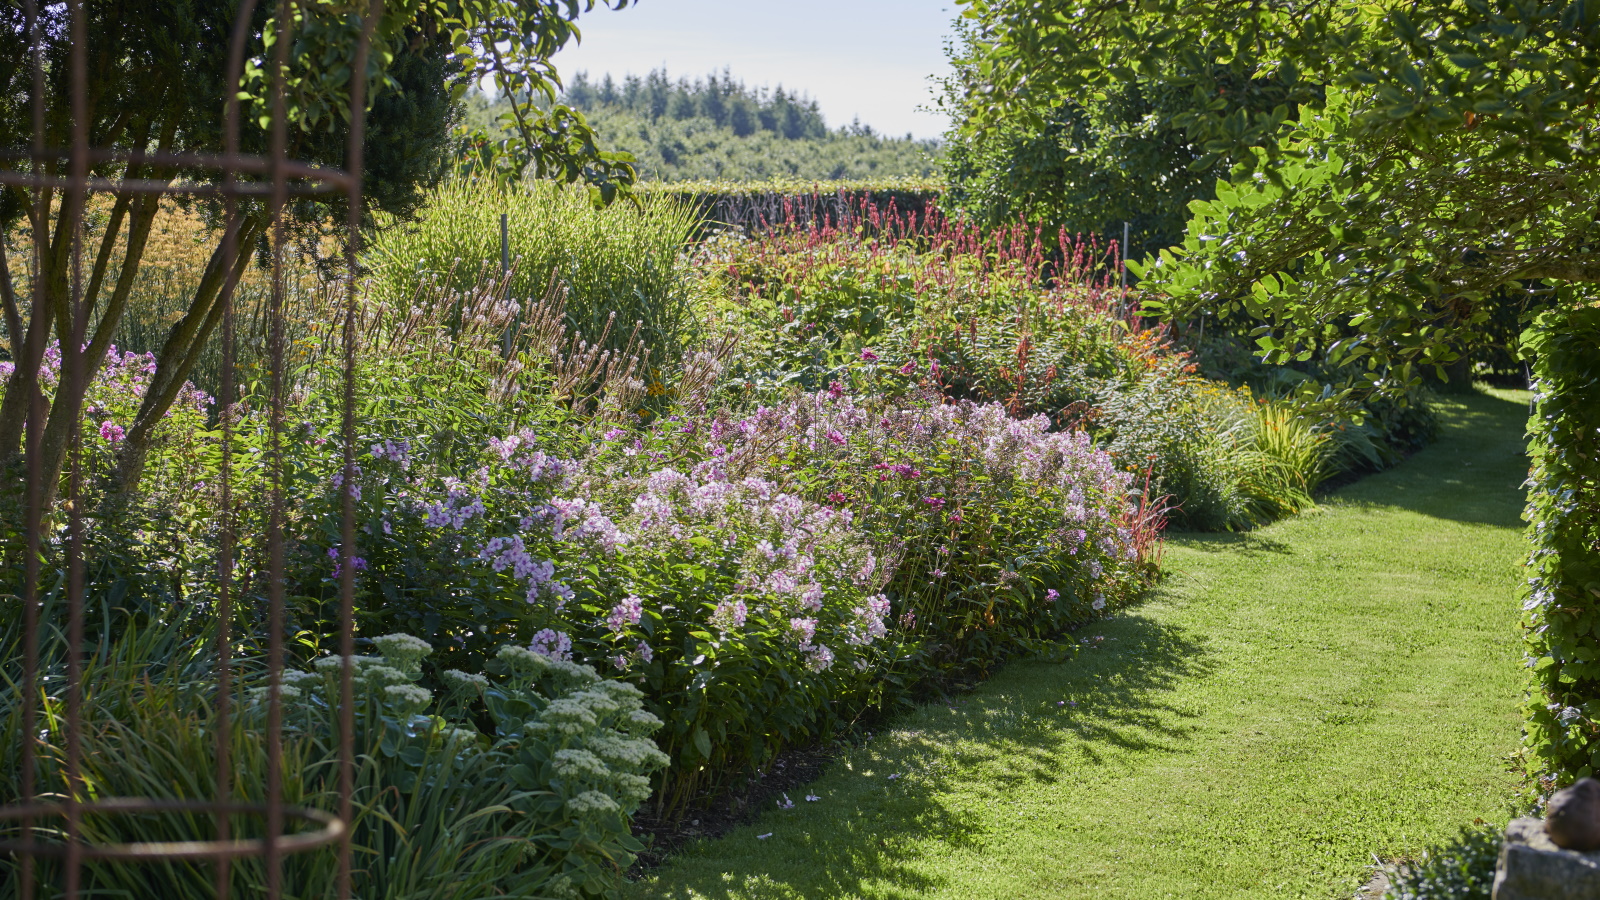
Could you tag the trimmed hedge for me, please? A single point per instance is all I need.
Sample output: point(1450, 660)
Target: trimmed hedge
point(760, 205)
point(1563, 602)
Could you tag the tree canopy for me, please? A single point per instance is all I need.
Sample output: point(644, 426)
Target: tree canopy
point(157, 80)
point(1424, 155)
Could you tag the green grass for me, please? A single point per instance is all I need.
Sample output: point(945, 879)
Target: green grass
point(1292, 701)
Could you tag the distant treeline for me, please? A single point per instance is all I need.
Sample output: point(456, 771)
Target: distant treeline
point(718, 128)
point(722, 99)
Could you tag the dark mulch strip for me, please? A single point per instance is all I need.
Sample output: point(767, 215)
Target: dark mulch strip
point(715, 816)
point(716, 812)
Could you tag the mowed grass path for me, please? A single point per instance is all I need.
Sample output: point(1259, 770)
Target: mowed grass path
point(1290, 702)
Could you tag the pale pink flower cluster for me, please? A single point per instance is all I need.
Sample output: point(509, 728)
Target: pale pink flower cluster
point(553, 644)
point(626, 613)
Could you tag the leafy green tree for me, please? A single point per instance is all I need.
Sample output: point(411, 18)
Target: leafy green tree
point(1093, 161)
point(1444, 152)
point(157, 81)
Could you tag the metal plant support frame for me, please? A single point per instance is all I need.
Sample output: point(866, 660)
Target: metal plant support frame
point(285, 178)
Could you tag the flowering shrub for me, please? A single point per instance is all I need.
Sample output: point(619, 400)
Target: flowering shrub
point(746, 612)
point(989, 532)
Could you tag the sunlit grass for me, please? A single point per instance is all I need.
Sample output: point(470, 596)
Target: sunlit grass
point(1293, 701)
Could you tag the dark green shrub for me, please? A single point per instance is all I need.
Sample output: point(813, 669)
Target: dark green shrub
point(1563, 601)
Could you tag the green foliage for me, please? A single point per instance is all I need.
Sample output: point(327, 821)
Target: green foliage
point(1395, 204)
point(538, 806)
point(1563, 602)
point(1461, 869)
point(1094, 161)
point(758, 206)
point(615, 267)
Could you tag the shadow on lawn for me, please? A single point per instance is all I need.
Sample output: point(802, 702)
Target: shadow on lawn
point(1022, 728)
point(1473, 473)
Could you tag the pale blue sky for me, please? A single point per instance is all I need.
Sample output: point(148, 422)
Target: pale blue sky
point(866, 58)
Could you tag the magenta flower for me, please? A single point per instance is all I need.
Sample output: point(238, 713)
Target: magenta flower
point(111, 432)
point(935, 502)
point(869, 356)
point(1052, 594)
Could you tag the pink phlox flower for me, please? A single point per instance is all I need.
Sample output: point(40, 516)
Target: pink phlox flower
point(357, 564)
point(908, 368)
point(1052, 594)
point(869, 356)
point(644, 651)
point(729, 615)
point(781, 582)
point(111, 432)
point(553, 644)
point(626, 613)
point(804, 630)
point(394, 451)
point(836, 437)
point(819, 658)
point(454, 511)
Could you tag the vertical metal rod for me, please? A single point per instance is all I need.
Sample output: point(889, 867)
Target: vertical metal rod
point(1124, 274)
point(275, 537)
point(226, 405)
point(75, 369)
point(33, 446)
point(354, 160)
point(505, 282)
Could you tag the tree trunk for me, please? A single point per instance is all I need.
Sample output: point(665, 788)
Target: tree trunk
point(182, 349)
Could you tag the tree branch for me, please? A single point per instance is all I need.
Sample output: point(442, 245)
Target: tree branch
point(1580, 270)
point(8, 299)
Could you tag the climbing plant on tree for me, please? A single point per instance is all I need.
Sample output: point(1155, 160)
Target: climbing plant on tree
point(1428, 157)
point(157, 80)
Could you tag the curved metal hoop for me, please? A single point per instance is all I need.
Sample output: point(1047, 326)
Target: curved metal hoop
point(330, 829)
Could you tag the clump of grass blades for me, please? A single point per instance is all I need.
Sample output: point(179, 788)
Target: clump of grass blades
point(1282, 460)
point(618, 266)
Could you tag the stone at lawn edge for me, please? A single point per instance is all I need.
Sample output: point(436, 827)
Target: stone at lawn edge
point(1572, 818)
point(1532, 867)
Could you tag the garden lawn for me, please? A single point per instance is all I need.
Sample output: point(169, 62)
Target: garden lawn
point(1289, 703)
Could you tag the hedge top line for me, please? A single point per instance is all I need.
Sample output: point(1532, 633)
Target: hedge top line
point(795, 187)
